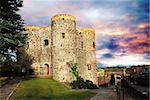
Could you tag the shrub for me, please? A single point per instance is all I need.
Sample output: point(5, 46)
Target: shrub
point(31, 71)
point(81, 84)
point(9, 71)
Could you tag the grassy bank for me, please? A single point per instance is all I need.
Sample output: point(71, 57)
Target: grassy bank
point(47, 89)
point(3, 81)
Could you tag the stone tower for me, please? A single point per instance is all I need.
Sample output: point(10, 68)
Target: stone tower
point(89, 50)
point(86, 60)
point(63, 46)
point(53, 48)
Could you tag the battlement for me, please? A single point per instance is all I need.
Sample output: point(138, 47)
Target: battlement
point(65, 16)
point(36, 27)
point(87, 30)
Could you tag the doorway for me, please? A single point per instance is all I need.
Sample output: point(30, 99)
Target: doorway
point(47, 69)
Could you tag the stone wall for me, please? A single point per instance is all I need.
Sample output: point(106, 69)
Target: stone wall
point(37, 50)
point(80, 53)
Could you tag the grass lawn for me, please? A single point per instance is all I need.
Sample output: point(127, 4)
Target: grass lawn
point(47, 89)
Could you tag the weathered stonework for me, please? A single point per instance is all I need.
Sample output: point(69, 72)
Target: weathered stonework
point(52, 48)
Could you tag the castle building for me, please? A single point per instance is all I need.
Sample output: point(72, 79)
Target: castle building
point(53, 48)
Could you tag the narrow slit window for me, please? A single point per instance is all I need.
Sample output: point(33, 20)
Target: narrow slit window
point(93, 44)
point(46, 42)
point(82, 44)
point(63, 35)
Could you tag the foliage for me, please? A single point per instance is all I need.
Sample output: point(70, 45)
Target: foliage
point(10, 69)
point(14, 69)
point(11, 29)
point(81, 84)
point(47, 89)
point(78, 84)
point(74, 70)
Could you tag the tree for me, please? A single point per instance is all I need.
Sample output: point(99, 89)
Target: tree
point(12, 35)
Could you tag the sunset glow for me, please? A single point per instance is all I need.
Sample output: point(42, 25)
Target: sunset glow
point(122, 26)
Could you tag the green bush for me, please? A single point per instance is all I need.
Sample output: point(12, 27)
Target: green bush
point(8, 71)
point(81, 84)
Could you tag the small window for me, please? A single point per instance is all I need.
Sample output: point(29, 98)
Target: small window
point(89, 66)
point(63, 19)
point(46, 42)
point(63, 35)
point(27, 45)
point(82, 44)
point(79, 32)
point(52, 22)
point(93, 44)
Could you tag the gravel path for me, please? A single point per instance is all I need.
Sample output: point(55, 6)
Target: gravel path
point(8, 88)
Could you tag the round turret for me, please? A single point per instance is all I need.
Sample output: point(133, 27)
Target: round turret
point(63, 37)
point(89, 48)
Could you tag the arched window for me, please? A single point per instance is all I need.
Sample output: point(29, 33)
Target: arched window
point(46, 42)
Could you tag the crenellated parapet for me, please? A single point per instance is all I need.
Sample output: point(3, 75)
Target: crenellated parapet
point(89, 30)
point(32, 28)
point(63, 16)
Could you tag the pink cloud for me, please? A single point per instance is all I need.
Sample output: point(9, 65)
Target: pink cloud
point(136, 44)
point(143, 25)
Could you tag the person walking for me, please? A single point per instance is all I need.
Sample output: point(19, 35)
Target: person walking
point(23, 71)
point(112, 80)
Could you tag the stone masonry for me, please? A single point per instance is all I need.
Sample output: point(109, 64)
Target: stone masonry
point(53, 48)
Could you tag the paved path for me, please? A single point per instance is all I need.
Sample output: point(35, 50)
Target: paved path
point(108, 94)
point(104, 94)
point(8, 88)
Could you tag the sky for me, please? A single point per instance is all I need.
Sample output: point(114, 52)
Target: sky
point(122, 26)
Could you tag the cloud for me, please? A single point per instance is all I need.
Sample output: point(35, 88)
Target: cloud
point(143, 25)
point(107, 55)
point(102, 51)
point(137, 43)
point(127, 60)
point(122, 26)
